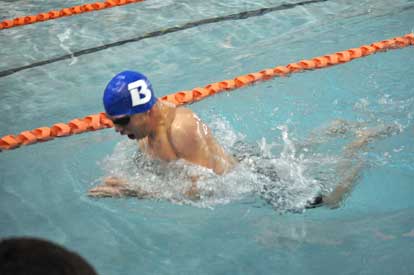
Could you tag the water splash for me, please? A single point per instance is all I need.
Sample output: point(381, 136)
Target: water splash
point(285, 180)
point(296, 186)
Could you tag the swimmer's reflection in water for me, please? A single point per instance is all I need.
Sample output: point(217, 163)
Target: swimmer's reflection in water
point(168, 133)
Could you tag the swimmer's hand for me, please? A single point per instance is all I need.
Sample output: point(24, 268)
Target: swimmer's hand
point(193, 193)
point(116, 187)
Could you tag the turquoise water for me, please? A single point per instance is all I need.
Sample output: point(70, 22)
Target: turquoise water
point(43, 187)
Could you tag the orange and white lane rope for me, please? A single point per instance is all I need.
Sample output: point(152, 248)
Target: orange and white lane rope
point(54, 14)
point(100, 121)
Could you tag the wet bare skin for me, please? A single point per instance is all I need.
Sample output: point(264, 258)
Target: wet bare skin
point(168, 133)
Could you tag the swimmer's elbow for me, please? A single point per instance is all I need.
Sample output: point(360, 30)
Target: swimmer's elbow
point(219, 171)
point(193, 193)
point(224, 166)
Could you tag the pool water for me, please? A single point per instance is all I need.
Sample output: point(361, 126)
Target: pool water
point(284, 121)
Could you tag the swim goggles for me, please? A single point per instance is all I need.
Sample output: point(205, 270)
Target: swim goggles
point(122, 121)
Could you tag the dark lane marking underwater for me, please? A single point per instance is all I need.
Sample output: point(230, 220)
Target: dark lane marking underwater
point(236, 16)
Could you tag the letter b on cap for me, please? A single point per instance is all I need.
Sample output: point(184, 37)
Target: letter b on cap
point(137, 89)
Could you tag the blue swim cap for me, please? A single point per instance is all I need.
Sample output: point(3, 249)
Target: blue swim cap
point(128, 93)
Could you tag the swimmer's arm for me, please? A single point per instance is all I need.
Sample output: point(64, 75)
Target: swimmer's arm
point(117, 187)
point(143, 145)
point(350, 176)
point(193, 193)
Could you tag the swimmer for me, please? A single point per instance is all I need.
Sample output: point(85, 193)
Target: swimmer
point(162, 131)
point(166, 132)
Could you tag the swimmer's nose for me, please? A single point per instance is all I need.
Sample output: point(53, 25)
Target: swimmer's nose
point(118, 128)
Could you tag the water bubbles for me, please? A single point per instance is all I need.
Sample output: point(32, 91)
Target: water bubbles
point(399, 149)
point(385, 99)
point(362, 104)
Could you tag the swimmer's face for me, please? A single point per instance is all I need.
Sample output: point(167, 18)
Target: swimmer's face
point(136, 126)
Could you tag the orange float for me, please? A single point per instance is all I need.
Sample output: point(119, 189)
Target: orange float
point(44, 16)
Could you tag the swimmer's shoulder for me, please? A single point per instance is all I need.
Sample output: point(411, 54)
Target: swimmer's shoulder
point(184, 130)
point(182, 112)
point(185, 120)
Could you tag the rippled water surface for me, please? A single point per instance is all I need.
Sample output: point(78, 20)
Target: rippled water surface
point(296, 138)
